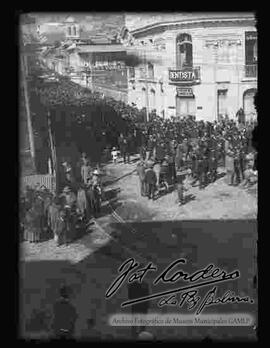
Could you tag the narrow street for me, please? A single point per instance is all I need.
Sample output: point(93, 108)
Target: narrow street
point(124, 204)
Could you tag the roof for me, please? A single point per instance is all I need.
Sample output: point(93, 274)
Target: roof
point(101, 48)
point(70, 19)
point(136, 23)
point(54, 36)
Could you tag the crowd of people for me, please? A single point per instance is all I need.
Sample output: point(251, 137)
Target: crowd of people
point(61, 216)
point(174, 152)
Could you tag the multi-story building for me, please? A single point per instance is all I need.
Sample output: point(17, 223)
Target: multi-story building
point(91, 59)
point(193, 64)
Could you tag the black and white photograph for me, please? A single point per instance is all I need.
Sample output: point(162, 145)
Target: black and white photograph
point(138, 178)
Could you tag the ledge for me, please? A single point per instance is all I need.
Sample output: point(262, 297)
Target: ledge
point(249, 79)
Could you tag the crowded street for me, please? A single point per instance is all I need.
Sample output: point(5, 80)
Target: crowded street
point(126, 152)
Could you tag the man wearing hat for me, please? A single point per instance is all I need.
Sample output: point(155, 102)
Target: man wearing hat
point(64, 315)
point(95, 192)
point(69, 197)
point(69, 202)
point(150, 180)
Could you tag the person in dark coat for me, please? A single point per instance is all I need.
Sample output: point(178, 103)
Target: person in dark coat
point(137, 290)
point(202, 168)
point(150, 181)
point(149, 148)
point(130, 146)
point(122, 142)
point(240, 116)
point(212, 165)
point(180, 177)
point(64, 316)
point(235, 178)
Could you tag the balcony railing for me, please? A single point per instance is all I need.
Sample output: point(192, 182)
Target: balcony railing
point(251, 70)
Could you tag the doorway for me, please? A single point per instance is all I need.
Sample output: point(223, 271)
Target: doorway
point(185, 106)
point(249, 104)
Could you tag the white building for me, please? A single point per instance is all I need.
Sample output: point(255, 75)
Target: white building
point(197, 64)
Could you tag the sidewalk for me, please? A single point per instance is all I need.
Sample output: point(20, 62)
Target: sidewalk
point(95, 238)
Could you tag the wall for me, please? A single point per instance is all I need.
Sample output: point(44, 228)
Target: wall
point(228, 60)
point(120, 95)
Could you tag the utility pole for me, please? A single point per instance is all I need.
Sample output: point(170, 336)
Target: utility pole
point(146, 89)
point(53, 151)
point(215, 82)
point(27, 108)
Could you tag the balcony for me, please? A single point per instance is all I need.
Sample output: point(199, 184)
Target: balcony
point(251, 71)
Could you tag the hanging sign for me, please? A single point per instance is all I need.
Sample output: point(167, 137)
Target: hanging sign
point(184, 92)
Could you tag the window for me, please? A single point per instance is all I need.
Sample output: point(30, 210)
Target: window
point(150, 70)
point(184, 57)
point(74, 31)
point(131, 73)
point(249, 104)
point(251, 47)
point(222, 103)
point(142, 72)
point(185, 106)
point(69, 31)
point(144, 97)
point(152, 99)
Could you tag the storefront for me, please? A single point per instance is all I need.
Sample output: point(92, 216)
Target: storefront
point(184, 79)
point(185, 102)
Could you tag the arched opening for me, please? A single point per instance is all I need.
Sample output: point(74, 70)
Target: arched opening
point(144, 101)
point(152, 99)
point(150, 70)
point(184, 56)
point(69, 31)
point(249, 104)
point(74, 31)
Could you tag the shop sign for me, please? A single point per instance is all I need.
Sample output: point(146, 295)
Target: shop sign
point(184, 92)
point(184, 75)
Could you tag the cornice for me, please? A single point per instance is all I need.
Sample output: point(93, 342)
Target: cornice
point(189, 23)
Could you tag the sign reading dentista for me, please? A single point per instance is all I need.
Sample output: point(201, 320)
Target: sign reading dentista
point(186, 75)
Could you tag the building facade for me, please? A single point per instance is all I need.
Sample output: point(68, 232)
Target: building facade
point(203, 65)
point(94, 61)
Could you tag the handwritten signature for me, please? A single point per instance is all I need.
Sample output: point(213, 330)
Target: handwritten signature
point(210, 275)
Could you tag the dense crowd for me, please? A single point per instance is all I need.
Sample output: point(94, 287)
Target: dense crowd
point(172, 154)
point(65, 215)
point(174, 151)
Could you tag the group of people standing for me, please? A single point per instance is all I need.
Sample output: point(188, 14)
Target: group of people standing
point(173, 153)
point(45, 215)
